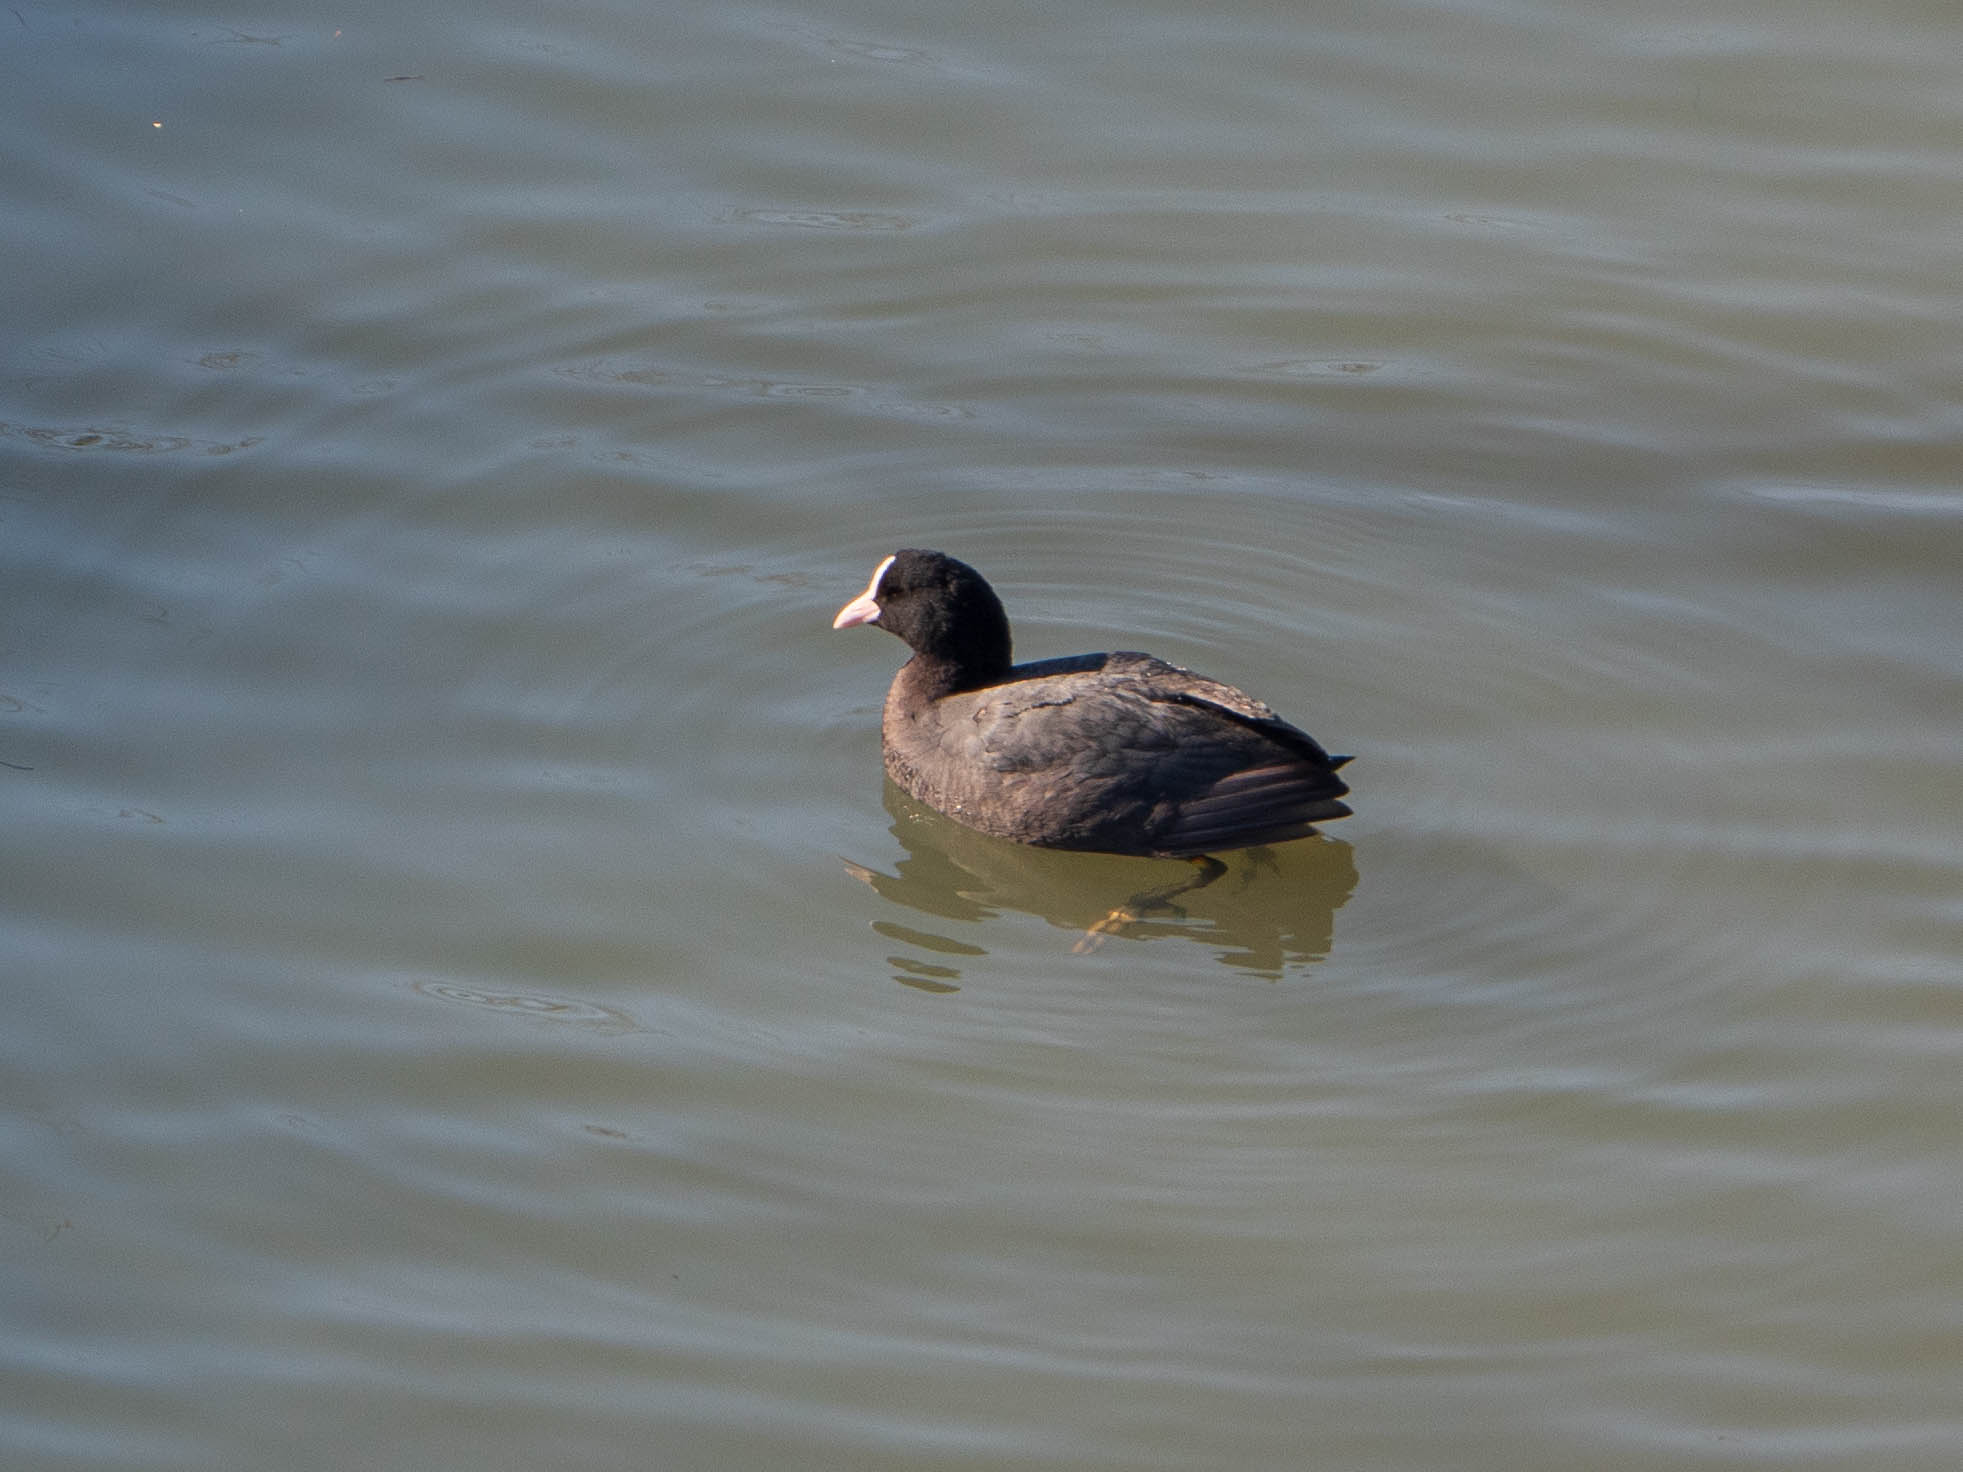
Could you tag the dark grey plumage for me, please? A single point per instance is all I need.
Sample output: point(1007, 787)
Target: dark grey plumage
point(1119, 753)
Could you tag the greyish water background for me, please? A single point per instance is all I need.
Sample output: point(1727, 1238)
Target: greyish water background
point(466, 1001)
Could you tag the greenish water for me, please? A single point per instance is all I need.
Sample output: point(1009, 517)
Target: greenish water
point(469, 999)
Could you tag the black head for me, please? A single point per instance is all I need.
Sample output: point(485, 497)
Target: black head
point(944, 610)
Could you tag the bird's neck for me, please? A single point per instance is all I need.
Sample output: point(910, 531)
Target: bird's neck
point(930, 676)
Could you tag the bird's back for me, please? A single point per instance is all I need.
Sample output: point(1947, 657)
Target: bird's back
point(1115, 752)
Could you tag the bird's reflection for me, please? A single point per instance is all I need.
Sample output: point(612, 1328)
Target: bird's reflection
point(1270, 910)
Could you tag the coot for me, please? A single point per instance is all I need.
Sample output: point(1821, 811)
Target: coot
point(1117, 753)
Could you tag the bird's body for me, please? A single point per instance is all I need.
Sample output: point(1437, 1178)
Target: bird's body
point(1117, 753)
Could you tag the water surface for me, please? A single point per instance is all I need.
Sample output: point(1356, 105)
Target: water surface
point(472, 1004)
